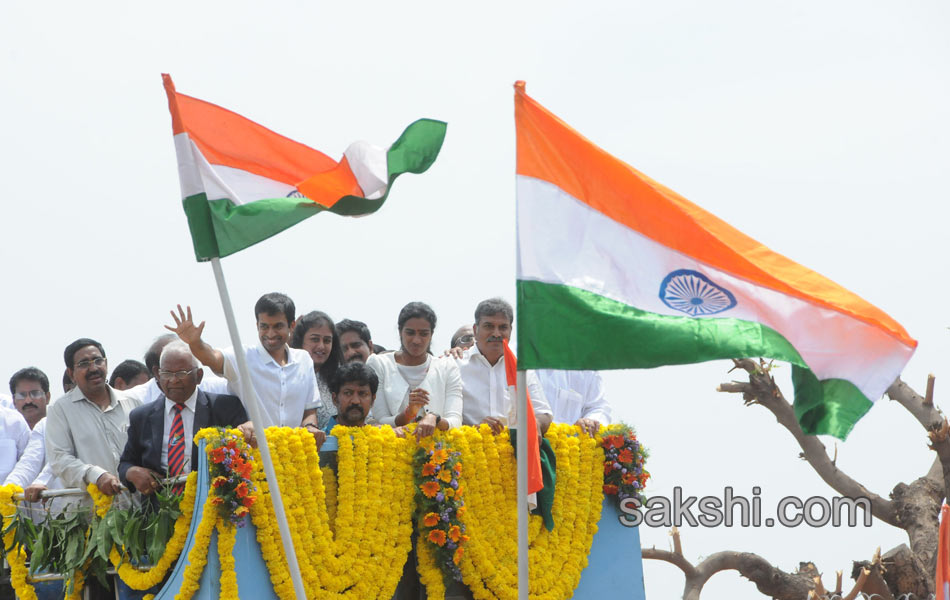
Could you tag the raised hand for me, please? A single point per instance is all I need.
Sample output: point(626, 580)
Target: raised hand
point(185, 326)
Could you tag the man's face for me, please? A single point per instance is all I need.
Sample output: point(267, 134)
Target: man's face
point(465, 336)
point(179, 377)
point(89, 370)
point(30, 399)
point(274, 331)
point(122, 384)
point(353, 402)
point(354, 348)
point(490, 332)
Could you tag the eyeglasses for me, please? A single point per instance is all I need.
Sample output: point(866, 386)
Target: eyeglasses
point(34, 394)
point(85, 364)
point(466, 339)
point(176, 374)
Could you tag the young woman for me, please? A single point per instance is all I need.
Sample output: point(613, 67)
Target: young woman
point(314, 332)
point(415, 386)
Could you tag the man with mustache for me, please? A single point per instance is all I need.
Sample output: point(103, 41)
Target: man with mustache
point(86, 428)
point(485, 397)
point(355, 340)
point(353, 389)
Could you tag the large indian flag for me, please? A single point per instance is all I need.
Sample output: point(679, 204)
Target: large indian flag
point(617, 271)
point(242, 183)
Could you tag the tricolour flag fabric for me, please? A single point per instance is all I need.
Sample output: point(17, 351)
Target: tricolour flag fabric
point(242, 183)
point(535, 476)
point(943, 555)
point(617, 271)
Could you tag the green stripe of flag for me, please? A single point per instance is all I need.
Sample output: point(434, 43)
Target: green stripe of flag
point(562, 327)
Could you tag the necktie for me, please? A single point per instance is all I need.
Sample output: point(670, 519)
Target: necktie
point(176, 443)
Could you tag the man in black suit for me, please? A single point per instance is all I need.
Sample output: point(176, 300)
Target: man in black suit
point(160, 433)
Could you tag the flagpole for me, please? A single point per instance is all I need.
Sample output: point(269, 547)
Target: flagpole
point(249, 397)
point(522, 460)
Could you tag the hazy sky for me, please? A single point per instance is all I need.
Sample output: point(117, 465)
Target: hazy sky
point(819, 128)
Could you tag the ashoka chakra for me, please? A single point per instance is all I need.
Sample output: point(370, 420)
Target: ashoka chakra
point(693, 293)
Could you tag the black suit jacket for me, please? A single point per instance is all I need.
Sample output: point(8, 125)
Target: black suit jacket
point(147, 430)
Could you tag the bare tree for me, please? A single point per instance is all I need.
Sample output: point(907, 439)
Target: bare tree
point(905, 571)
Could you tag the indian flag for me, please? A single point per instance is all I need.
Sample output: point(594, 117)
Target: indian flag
point(617, 271)
point(242, 183)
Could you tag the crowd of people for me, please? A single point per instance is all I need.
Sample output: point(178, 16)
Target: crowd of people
point(134, 428)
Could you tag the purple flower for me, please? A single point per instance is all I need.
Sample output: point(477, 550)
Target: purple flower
point(440, 497)
point(454, 484)
point(450, 545)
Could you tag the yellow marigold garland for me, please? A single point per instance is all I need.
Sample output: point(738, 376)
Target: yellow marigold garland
point(17, 556)
point(329, 489)
point(227, 533)
point(198, 555)
point(557, 557)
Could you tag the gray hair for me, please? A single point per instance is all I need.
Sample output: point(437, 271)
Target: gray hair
point(178, 347)
point(494, 306)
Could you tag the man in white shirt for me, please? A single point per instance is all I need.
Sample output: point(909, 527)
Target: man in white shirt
point(485, 397)
point(30, 389)
point(86, 428)
point(576, 398)
point(14, 436)
point(283, 377)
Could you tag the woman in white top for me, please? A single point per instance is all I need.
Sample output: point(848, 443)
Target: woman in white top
point(413, 384)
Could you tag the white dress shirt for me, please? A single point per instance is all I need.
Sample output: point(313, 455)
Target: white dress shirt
point(441, 380)
point(14, 437)
point(148, 392)
point(284, 392)
point(575, 395)
point(485, 389)
point(187, 423)
point(7, 400)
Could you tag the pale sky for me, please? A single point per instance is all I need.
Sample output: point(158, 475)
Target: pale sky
point(818, 128)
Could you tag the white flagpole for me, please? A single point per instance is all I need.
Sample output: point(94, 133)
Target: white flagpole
point(522, 459)
point(249, 398)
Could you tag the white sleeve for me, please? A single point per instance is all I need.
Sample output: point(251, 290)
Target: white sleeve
point(452, 411)
point(380, 411)
point(538, 399)
point(32, 460)
point(596, 406)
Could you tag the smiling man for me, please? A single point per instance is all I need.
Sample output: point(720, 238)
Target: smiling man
point(355, 340)
point(485, 397)
point(282, 376)
point(86, 428)
point(161, 433)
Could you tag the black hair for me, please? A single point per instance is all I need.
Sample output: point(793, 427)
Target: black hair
point(154, 353)
point(316, 319)
point(494, 306)
point(354, 372)
point(275, 303)
point(358, 326)
point(67, 381)
point(416, 310)
point(29, 374)
point(377, 349)
point(129, 370)
point(78, 345)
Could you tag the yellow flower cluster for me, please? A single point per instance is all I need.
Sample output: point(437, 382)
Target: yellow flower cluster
point(17, 556)
point(143, 580)
point(429, 572)
point(198, 555)
point(227, 533)
point(329, 489)
point(557, 557)
point(102, 502)
point(373, 517)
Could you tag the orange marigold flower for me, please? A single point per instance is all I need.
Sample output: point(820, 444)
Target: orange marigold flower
point(461, 511)
point(430, 489)
point(249, 501)
point(626, 455)
point(445, 475)
point(217, 500)
point(241, 490)
point(241, 511)
point(610, 490)
point(457, 557)
point(430, 520)
point(455, 532)
point(219, 481)
point(439, 456)
point(428, 469)
point(615, 440)
point(458, 468)
point(437, 536)
point(628, 478)
point(218, 455)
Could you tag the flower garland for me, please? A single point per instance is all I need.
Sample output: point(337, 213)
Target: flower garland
point(16, 555)
point(227, 533)
point(198, 555)
point(557, 557)
point(329, 488)
point(231, 466)
point(624, 459)
point(129, 573)
point(439, 494)
point(373, 525)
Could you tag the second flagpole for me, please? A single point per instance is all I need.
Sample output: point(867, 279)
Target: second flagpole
point(249, 397)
